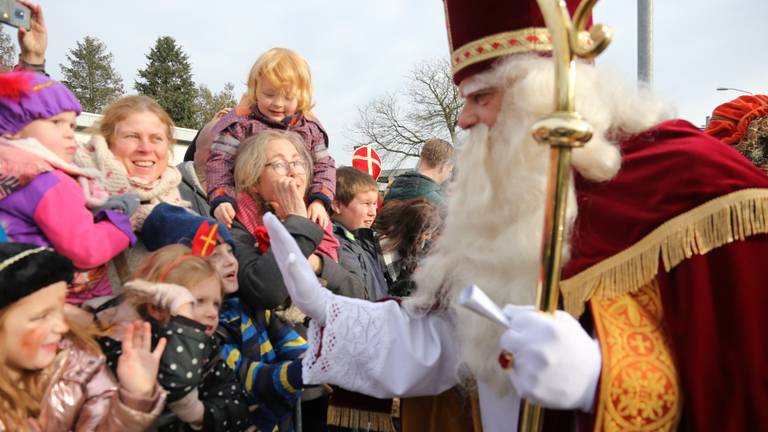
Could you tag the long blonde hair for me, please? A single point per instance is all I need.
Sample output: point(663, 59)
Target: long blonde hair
point(21, 399)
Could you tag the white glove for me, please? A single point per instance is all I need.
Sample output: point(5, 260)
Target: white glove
point(300, 280)
point(164, 295)
point(556, 363)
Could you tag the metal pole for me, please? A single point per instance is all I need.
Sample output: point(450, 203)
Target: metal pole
point(645, 42)
point(734, 89)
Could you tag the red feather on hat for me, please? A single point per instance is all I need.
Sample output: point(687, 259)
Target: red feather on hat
point(14, 85)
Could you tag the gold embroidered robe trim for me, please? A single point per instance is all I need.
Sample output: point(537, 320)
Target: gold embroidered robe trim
point(639, 386)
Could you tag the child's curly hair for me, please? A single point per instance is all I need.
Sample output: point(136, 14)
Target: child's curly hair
point(286, 70)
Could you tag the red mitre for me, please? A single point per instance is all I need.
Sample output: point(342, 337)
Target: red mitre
point(480, 31)
point(730, 120)
point(367, 160)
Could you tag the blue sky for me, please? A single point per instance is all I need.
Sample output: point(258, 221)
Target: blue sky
point(360, 49)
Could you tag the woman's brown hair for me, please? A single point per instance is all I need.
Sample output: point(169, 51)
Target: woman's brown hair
point(122, 108)
point(406, 225)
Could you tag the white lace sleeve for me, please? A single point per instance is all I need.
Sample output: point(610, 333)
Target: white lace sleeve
point(379, 349)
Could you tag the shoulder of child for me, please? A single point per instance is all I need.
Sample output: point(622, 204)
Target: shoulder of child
point(80, 364)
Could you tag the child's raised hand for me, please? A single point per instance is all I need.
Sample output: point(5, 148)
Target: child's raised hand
point(318, 214)
point(225, 214)
point(138, 364)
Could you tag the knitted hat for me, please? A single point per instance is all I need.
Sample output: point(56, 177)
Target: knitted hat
point(481, 31)
point(730, 120)
point(27, 96)
point(26, 268)
point(367, 160)
point(169, 224)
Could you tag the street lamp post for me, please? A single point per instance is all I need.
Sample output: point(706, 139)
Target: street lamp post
point(645, 42)
point(733, 89)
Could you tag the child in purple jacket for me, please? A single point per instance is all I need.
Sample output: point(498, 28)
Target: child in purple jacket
point(44, 198)
point(279, 97)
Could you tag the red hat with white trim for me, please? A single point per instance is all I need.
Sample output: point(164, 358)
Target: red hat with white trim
point(481, 31)
point(367, 160)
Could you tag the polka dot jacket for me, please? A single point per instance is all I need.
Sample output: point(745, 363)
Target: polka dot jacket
point(190, 361)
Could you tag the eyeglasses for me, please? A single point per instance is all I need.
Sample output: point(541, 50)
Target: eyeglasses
point(281, 167)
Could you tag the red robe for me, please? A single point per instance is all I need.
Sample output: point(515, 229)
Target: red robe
point(713, 298)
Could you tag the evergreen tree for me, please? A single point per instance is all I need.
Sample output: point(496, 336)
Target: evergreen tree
point(167, 77)
point(208, 103)
point(90, 75)
point(7, 51)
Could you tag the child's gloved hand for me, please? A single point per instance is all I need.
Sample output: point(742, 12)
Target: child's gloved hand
point(126, 204)
point(300, 280)
point(167, 296)
point(555, 363)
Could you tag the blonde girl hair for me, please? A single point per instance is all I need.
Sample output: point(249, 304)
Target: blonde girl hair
point(122, 108)
point(20, 400)
point(173, 264)
point(286, 70)
point(252, 158)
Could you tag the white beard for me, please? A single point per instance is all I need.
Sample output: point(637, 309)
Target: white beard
point(493, 230)
point(492, 237)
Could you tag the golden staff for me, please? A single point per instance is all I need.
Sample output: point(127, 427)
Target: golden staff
point(562, 130)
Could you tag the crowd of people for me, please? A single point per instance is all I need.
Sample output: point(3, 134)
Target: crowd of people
point(256, 286)
point(183, 319)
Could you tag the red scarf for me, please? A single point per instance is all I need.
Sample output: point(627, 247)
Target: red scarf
point(250, 213)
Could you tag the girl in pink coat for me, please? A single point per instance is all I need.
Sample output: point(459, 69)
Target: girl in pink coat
point(53, 377)
point(44, 198)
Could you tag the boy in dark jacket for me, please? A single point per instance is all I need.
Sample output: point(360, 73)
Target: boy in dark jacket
point(354, 210)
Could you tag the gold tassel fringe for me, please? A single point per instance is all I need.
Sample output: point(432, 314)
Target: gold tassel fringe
point(353, 418)
point(715, 223)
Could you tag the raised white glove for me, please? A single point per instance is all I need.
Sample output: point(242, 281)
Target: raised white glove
point(556, 363)
point(164, 295)
point(300, 280)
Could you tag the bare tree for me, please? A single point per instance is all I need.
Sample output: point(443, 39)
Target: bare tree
point(397, 124)
point(7, 51)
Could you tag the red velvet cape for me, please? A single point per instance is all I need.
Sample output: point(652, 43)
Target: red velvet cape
point(714, 304)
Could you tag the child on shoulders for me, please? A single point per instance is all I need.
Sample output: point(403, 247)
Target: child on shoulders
point(279, 97)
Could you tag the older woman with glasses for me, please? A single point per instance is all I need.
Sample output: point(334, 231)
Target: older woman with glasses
point(272, 171)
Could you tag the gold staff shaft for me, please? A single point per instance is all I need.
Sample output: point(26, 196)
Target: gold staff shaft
point(563, 130)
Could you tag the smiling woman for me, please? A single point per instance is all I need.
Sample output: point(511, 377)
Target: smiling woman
point(131, 146)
